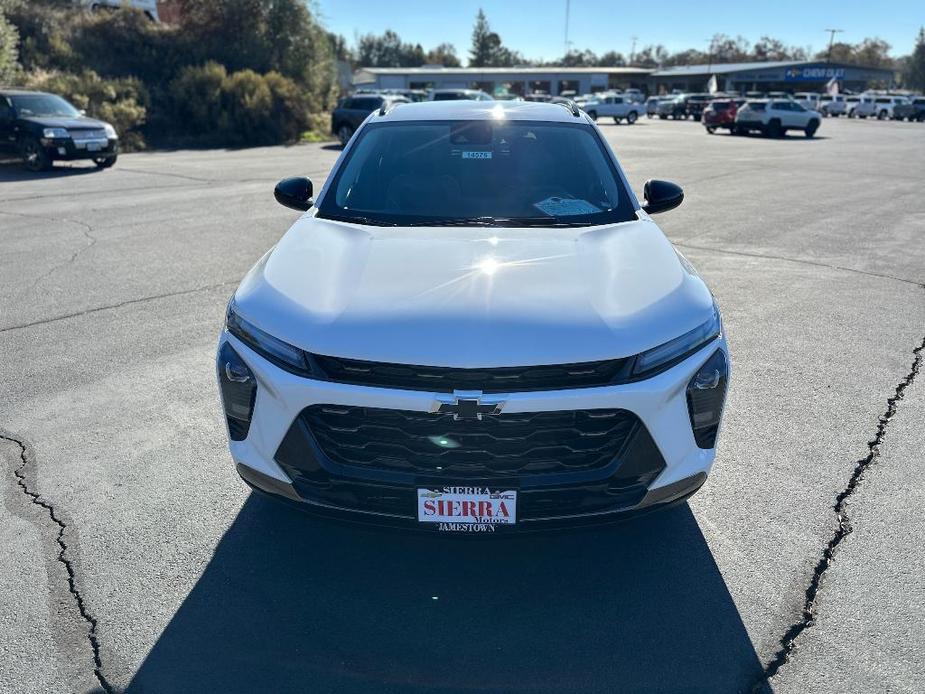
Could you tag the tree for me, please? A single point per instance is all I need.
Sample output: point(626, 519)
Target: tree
point(261, 35)
point(871, 52)
point(388, 50)
point(915, 66)
point(584, 58)
point(690, 56)
point(725, 49)
point(339, 47)
point(611, 59)
point(483, 42)
point(444, 54)
point(487, 49)
point(9, 46)
point(651, 57)
point(768, 48)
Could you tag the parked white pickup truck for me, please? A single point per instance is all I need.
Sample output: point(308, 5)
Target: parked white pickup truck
point(808, 100)
point(616, 107)
point(861, 106)
point(832, 105)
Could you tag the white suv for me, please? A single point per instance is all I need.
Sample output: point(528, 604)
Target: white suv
point(884, 105)
point(474, 328)
point(617, 107)
point(775, 117)
point(832, 105)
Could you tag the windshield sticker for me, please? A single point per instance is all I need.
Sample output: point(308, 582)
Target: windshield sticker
point(565, 207)
point(476, 155)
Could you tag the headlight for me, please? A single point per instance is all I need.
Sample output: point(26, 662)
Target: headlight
point(55, 133)
point(664, 356)
point(239, 391)
point(282, 354)
point(110, 131)
point(706, 394)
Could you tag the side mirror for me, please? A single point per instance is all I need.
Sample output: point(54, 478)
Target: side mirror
point(82, 112)
point(661, 196)
point(294, 192)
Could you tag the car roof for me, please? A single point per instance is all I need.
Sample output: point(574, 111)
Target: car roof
point(479, 110)
point(19, 92)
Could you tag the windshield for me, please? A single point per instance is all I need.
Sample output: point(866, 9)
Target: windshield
point(28, 105)
point(507, 173)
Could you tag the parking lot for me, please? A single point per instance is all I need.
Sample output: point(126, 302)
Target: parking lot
point(136, 560)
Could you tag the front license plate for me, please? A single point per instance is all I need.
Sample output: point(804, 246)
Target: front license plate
point(467, 509)
point(94, 146)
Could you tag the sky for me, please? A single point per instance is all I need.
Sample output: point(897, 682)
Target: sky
point(536, 28)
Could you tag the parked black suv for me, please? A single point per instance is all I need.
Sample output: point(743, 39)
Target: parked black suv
point(44, 128)
point(914, 110)
point(352, 111)
point(695, 104)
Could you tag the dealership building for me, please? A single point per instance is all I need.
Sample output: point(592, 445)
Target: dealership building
point(787, 76)
point(493, 80)
point(791, 76)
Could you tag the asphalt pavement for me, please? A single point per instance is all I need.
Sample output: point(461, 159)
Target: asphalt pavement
point(135, 559)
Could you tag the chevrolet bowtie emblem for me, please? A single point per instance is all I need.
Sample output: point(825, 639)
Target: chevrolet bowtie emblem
point(465, 404)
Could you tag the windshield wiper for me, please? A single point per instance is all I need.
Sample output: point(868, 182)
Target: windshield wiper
point(496, 222)
point(351, 219)
point(485, 221)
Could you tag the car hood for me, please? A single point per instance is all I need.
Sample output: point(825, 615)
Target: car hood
point(65, 122)
point(474, 297)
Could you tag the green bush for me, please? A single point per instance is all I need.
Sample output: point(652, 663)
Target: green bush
point(233, 72)
point(9, 46)
point(212, 107)
point(122, 102)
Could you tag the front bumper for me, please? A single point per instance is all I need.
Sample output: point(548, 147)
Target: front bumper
point(68, 149)
point(660, 465)
point(716, 121)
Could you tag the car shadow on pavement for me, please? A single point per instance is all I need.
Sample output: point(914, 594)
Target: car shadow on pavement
point(291, 603)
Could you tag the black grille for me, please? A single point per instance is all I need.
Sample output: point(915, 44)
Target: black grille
point(495, 446)
point(506, 379)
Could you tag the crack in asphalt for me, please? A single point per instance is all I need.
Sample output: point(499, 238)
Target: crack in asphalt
point(87, 232)
point(101, 193)
point(801, 261)
point(197, 179)
point(844, 528)
point(36, 499)
point(127, 302)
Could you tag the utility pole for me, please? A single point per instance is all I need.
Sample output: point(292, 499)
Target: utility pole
point(832, 32)
point(567, 11)
point(633, 50)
